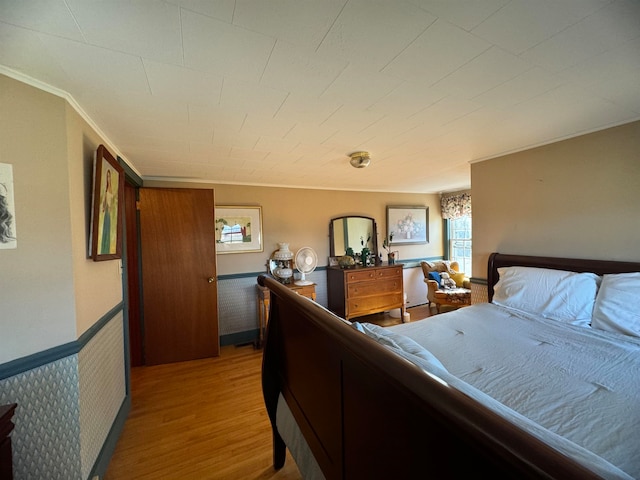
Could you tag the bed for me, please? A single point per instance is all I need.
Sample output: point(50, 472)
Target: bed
point(351, 400)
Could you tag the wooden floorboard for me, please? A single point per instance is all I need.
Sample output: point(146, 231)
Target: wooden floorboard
point(204, 419)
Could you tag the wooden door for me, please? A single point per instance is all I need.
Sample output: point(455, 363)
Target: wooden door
point(133, 275)
point(179, 290)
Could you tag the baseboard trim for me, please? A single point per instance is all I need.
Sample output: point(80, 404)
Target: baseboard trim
point(248, 336)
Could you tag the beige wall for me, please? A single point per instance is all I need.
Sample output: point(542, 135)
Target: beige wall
point(36, 287)
point(578, 198)
point(301, 217)
point(50, 292)
point(97, 285)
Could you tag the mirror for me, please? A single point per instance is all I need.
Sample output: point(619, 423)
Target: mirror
point(352, 231)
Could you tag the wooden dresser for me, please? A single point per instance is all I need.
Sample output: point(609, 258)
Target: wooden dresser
point(354, 292)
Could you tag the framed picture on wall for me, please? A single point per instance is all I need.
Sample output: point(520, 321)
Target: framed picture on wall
point(409, 225)
point(8, 235)
point(238, 229)
point(107, 207)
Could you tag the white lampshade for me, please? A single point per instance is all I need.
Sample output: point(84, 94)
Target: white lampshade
point(283, 253)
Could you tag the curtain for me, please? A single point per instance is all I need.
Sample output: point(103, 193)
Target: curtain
point(455, 206)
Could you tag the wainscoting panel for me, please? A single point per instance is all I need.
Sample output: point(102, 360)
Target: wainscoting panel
point(69, 398)
point(46, 438)
point(237, 301)
point(414, 287)
point(102, 389)
point(478, 292)
point(237, 307)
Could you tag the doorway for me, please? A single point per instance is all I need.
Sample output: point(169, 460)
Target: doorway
point(178, 275)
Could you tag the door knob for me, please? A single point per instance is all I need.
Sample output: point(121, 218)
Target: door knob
point(211, 280)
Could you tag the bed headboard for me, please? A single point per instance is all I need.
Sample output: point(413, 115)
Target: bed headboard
point(599, 267)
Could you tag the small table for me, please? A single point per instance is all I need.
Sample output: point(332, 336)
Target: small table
point(264, 299)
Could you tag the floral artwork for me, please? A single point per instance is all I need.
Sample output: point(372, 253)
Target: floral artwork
point(407, 225)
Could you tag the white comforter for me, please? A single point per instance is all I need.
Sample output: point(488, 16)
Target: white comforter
point(580, 383)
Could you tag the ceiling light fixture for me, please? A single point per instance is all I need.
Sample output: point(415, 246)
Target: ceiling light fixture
point(360, 159)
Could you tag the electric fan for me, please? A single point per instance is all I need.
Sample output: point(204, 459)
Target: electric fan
point(306, 261)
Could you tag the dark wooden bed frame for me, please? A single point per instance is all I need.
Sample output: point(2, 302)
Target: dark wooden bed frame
point(367, 413)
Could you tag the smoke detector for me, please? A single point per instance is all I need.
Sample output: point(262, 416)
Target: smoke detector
point(360, 159)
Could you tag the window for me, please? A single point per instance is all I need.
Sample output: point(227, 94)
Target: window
point(459, 233)
point(456, 212)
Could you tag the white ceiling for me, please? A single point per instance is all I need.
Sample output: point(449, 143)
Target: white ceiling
point(279, 92)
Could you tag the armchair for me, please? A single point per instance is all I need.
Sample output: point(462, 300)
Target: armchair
point(458, 297)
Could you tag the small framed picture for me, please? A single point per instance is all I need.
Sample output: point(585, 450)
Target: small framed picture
point(107, 207)
point(238, 229)
point(407, 225)
point(8, 235)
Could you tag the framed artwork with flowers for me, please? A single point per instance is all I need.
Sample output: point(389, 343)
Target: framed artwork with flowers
point(407, 225)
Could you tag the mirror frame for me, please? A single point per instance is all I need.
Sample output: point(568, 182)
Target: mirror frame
point(374, 235)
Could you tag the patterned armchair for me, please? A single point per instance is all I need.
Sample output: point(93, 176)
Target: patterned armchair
point(457, 297)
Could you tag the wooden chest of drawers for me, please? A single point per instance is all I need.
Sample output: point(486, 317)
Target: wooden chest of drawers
point(354, 292)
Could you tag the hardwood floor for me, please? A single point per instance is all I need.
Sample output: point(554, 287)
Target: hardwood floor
point(204, 419)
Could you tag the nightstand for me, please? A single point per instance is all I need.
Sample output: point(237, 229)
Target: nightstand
point(263, 296)
point(6, 427)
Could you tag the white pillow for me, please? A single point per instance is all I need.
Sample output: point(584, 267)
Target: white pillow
point(617, 307)
point(556, 294)
point(404, 346)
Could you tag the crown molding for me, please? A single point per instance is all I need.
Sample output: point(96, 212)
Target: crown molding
point(40, 85)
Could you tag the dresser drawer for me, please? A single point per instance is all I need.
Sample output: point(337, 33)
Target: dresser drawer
point(374, 287)
point(368, 274)
point(389, 272)
point(364, 275)
point(376, 303)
